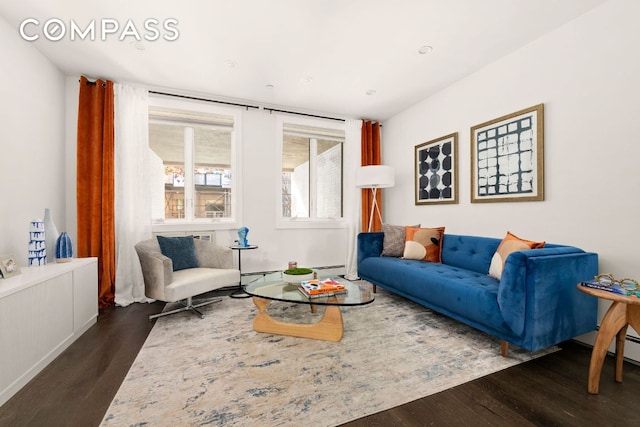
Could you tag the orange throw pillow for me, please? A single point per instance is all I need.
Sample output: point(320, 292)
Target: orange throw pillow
point(511, 243)
point(423, 244)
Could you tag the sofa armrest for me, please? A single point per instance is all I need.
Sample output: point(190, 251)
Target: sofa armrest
point(157, 271)
point(538, 295)
point(369, 245)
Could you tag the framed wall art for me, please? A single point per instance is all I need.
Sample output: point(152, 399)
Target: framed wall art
point(8, 266)
point(507, 156)
point(436, 171)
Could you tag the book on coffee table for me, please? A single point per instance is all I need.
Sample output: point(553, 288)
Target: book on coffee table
point(321, 288)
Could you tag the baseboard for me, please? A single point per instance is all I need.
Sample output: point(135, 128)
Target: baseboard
point(631, 346)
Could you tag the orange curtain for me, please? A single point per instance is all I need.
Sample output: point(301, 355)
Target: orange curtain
point(95, 183)
point(370, 153)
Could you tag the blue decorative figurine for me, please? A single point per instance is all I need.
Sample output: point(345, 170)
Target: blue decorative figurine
point(242, 236)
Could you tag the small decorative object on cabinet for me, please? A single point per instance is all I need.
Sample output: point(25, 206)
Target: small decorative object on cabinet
point(242, 237)
point(50, 234)
point(64, 248)
point(8, 266)
point(37, 245)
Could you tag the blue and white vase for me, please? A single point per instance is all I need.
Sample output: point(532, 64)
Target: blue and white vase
point(37, 244)
point(50, 233)
point(64, 248)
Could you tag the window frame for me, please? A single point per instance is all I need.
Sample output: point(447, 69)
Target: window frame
point(198, 224)
point(295, 222)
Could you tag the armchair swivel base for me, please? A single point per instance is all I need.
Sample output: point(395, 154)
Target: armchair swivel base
point(187, 306)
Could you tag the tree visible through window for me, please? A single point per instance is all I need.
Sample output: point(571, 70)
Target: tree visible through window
point(192, 163)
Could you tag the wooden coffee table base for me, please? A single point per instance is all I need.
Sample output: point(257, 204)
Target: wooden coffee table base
point(329, 328)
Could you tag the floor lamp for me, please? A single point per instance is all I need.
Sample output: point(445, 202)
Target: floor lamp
point(374, 177)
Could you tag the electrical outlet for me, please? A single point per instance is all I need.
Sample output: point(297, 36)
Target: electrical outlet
point(264, 256)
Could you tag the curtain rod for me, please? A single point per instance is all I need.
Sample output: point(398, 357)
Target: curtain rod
point(247, 106)
point(92, 83)
point(271, 110)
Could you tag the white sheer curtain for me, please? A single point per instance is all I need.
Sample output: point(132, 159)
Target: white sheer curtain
point(352, 203)
point(132, 196)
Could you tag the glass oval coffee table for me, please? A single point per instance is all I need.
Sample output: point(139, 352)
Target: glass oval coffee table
point(330, 327)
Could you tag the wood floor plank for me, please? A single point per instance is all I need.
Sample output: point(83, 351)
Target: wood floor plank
point(76, 389)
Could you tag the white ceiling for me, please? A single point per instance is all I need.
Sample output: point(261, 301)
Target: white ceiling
point(345, 47)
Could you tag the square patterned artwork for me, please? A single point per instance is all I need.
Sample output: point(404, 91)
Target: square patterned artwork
point(436, 172)
point(507, 158)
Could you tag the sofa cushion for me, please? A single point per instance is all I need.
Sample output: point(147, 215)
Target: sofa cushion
point(469, 252)
point(423, 244)
point(511, 243)
point(181, 250)
point(394, 237)
point(461, 293)
point(196, 281)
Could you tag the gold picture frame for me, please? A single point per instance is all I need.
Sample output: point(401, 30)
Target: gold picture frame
point(436, 171)
point(8, 266)
point(507, 158)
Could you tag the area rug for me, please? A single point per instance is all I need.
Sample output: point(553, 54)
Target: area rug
point(218, 371)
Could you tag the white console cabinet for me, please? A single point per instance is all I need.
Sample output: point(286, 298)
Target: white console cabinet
point(42, 311)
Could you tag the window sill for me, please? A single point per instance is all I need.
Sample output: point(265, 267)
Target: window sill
point(169, 226)
point(309, 223)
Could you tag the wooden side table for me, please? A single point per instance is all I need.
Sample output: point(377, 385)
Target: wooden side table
point(624, 311)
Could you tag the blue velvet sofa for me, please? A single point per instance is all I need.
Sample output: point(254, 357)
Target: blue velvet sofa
point(535, 304)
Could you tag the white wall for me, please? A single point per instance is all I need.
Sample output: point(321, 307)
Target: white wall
point(586, 74)
point(32, 155)
point(316, 247)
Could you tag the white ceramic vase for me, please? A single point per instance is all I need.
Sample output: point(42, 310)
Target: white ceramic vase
point(50, 235)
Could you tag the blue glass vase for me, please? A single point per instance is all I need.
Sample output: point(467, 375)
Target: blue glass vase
point(64, 248)
point(242, 237)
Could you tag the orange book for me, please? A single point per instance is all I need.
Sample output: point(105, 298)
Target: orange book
point(324, 288)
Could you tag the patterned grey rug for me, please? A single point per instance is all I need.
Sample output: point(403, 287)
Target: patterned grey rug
point(218, 371)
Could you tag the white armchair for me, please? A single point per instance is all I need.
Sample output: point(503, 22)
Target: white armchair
point(215, 270)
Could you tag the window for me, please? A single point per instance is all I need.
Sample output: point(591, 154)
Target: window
point(193, 162)
point(311, 171)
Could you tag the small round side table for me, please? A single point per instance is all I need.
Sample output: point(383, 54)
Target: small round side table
point(624, 311)
point(239, 293)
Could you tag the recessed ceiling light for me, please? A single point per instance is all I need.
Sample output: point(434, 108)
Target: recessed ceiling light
point(425, 49)
point(138, 45)
point(306, 79)
point(230, 63)
point(269, 86)
point(371, 92)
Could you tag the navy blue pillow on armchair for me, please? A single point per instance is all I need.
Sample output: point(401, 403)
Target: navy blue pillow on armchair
point(181, 250)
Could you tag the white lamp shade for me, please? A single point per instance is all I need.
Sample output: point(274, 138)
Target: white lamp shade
point(375, 176)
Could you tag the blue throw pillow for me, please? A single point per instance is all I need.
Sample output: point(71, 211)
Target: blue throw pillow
point(181, 250)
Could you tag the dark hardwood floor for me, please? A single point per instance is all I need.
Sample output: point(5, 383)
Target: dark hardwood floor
point(77, 388)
